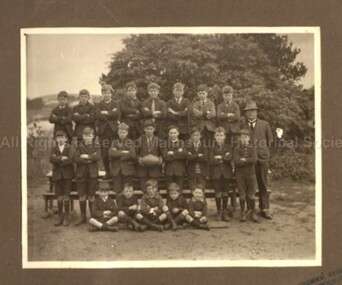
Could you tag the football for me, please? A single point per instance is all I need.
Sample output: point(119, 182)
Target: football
point(150, 160)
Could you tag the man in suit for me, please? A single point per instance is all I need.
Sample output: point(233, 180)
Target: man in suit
point(178, 109)
point(262, 138)
point(204, 113)
point(228, 115)
point(108, 116)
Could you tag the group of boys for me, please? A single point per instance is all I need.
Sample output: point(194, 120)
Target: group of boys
point(154, 139)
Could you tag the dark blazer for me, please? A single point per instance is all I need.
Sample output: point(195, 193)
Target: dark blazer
point(99, 206)
point(193, 158)
point(230, 124)
point(261, 137)
point(198, 206)
point(144, 149)
point(93, 151)
point(131, 113)
point(124, 203)
point(182, 119)
point(180, 203)
point(62, 169)
point(220, 167)
point(174, 164)
point(148, 202)
point(86, 118)
point(249, 153)
point(159, 106)
point(111, 120)
point(62, 118)
point(122, 161)
point(199, 117)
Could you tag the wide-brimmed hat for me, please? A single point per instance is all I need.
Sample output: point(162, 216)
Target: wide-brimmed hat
point(251, 105)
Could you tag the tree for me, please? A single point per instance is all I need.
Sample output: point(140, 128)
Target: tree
point(258, 67)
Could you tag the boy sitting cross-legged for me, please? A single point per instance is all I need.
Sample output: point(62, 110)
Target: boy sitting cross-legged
point(128, 208)
point(198, 209)
point(105, 211)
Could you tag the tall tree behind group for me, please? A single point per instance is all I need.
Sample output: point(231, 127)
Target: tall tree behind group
point(259, 67)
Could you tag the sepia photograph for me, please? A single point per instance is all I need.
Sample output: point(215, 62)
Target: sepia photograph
point(171, 147)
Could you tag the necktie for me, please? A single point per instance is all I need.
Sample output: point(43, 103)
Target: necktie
point(251, 126)
point(153, 107)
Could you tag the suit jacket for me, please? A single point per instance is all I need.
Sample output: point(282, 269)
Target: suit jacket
point(159, 106)
point(174, 164)
point(86, 118)
point(198, 206)
point(148, 202)
point(129, 114)
point(62, 118)
point(99, 206)
point(182, 119)
point(143, 149)
point(82, 164)
point(222, 166)
point(230, 124)
point(199, 116)
point(124, 203)
point(180, 203)
point(122, 161)
point(249, 153)
point(62, 168)
point(193, 158)
point(111, 120)
point(261, 137)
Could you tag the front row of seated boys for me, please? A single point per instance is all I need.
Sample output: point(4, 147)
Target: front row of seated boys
point(179, 159)
point(152, 213)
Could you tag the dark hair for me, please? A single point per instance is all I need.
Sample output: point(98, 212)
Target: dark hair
point(174, 187)
point(63, 94)
point(202, 87)
point(130, 85)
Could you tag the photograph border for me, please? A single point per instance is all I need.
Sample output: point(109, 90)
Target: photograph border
point(176, 263)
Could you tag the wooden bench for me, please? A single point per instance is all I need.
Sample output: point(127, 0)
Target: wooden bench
point(49, 196)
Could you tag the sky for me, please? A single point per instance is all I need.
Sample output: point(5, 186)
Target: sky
point(74, 62)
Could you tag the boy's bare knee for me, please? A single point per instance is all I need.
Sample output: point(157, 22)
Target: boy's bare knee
point(121, 214)
point(189, 218)
point(165, 208)
point(203, 219)
point(138, 216)
point(185, 212)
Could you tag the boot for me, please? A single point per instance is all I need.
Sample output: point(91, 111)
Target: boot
point(254, 215)
point(197, 224)
point(243, 212)
point(151, 225)
point(66, 220)
point(134, 223)
point(90, 206)
point(83, 218)
point(180, 218)
point(172, 221)
point(60, 214)
point(225, 216)
point(218, 206)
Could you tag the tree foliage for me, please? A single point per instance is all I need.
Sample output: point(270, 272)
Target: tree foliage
point(258, 67)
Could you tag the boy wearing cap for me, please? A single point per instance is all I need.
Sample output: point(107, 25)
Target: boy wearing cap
point(197, 156)
point(178, 109)
point(122, 155)
point(128, 208)
point(204, 113)
point(61, 116)
point(262, 138)
point(245, 158)
point(108, 116)
point(105, 211)
point(62, 174)
point(228, 114)
point(148, 145)
point(155, 109)
point(220, 156)
point(83, 114)
point(174, 154)
point(177, 206)
point(130, 108)
point(87, 155)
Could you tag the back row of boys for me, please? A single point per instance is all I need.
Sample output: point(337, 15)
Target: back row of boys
point(120, 153)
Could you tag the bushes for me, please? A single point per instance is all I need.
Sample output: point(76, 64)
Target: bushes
point(290, 163)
